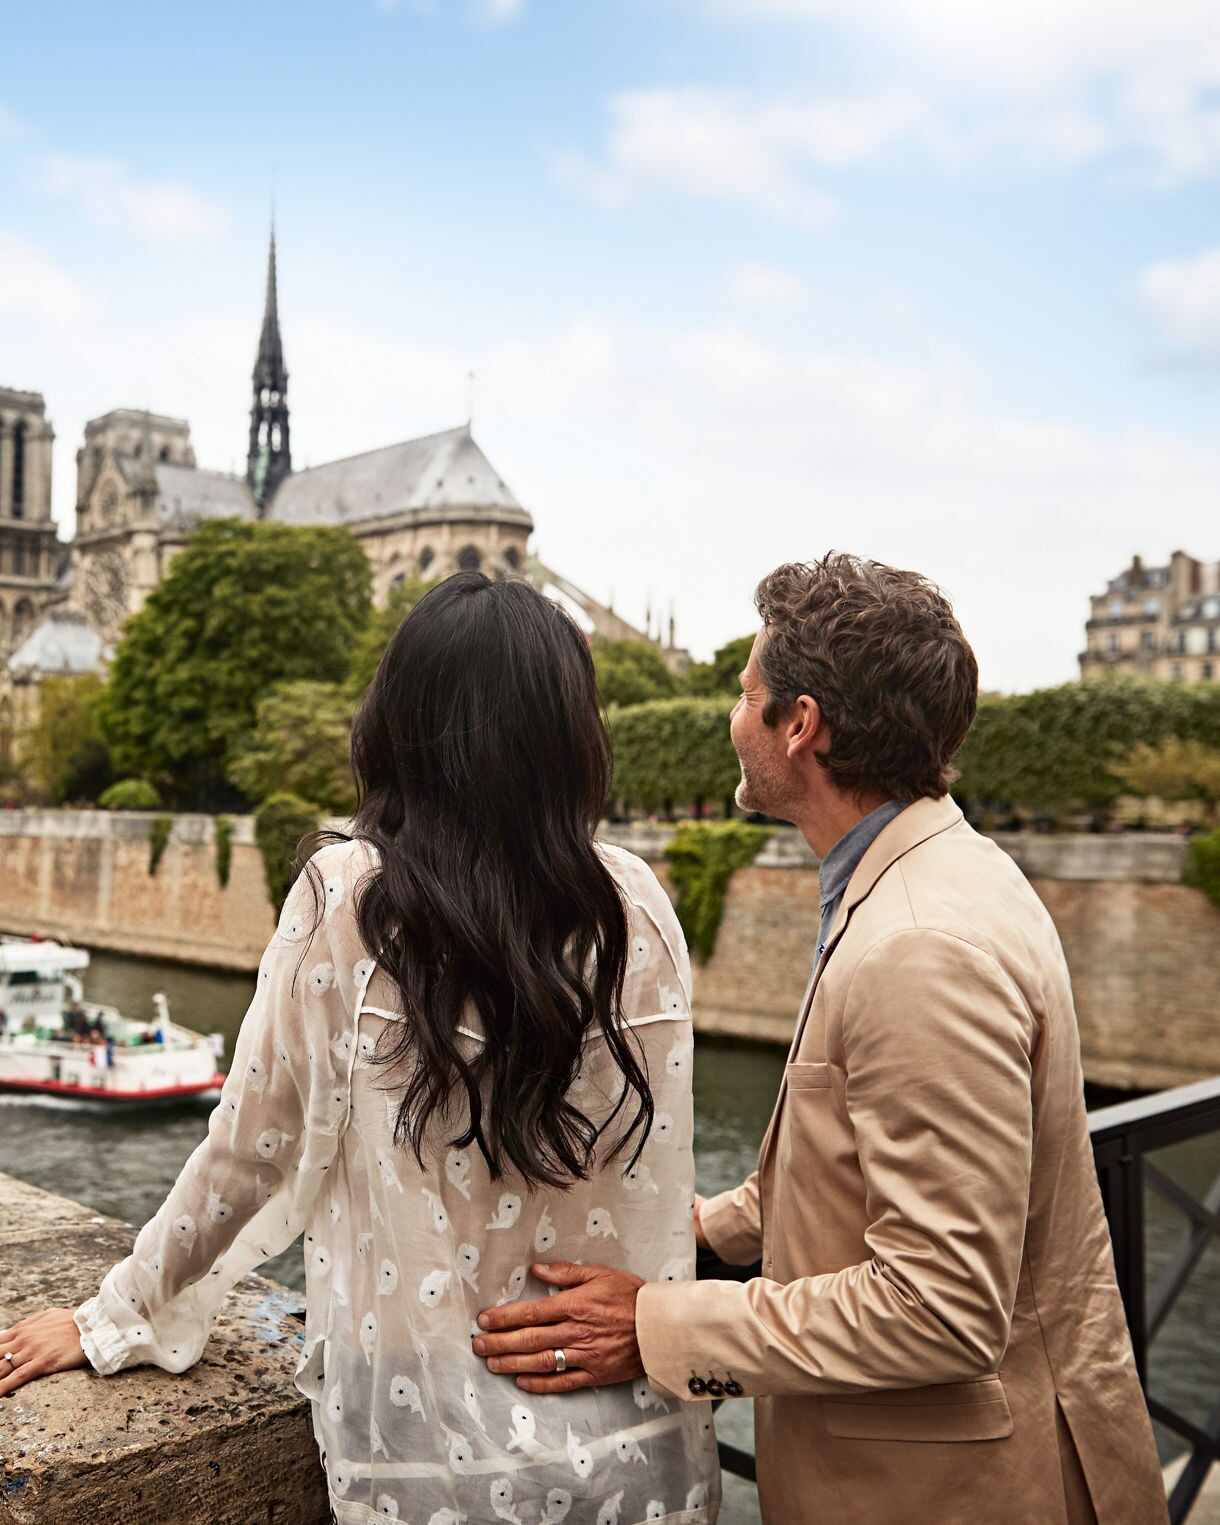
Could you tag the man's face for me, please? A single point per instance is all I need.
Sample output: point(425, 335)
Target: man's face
point(766, 775)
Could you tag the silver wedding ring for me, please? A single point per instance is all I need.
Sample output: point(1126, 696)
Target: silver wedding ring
point(561, 1361)
point(8, 1356)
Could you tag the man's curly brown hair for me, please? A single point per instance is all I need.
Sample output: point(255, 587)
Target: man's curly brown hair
point(882, 654)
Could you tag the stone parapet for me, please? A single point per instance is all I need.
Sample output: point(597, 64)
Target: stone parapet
point(227, 1443)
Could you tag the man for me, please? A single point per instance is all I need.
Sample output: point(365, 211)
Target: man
point(936, 1337)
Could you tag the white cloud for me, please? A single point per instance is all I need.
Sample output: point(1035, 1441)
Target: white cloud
point(113, 199)
point(1071, 79)
point(718, 145)
point(757, 284)
point(498, 12)
point(34, 288)
point(1183, 299)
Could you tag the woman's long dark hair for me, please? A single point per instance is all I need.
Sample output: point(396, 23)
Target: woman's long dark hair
point(483, 760)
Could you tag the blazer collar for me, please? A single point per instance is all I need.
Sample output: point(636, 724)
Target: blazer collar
point(921, 820)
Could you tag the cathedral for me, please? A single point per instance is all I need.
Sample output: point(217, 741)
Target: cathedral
point(423, 508)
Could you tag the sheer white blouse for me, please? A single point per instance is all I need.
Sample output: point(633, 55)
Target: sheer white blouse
point(400, 1260)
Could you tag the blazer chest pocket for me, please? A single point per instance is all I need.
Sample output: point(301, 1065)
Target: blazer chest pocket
point(806, 1077)
point(956, 1411)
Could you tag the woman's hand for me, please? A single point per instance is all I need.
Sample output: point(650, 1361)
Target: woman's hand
point(37, 1346)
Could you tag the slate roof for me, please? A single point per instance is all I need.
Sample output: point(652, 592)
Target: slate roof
point(435, 477)
point(185, 494)
point(62, 643)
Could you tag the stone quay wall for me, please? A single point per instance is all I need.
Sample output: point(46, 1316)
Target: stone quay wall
point(1144, 949)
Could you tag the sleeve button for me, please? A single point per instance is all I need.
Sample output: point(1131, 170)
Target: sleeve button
point(715, 1389)
point(697, 1386)
point(733, 1389)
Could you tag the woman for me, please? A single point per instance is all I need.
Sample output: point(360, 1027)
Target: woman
point(469, 1050)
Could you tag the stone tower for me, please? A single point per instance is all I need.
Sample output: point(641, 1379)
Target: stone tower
point(29, 549)
point(270, 458)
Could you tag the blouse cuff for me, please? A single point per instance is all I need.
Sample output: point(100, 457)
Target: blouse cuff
point(100, 1338)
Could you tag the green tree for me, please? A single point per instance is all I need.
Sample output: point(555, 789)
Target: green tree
point(382, 623)
point(631, 672)
point(246, 606)
point(703, 857)
point(1175, 769)
point(302, 743)
point(65, 753)
point(721, 674)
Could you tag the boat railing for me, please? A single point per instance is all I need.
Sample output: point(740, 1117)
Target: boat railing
point(1142, 1171)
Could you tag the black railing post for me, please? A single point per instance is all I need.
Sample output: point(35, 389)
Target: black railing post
point(1120, 1174)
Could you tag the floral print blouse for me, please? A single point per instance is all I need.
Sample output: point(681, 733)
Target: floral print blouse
point(400, 1260)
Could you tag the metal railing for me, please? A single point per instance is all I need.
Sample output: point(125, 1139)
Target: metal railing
point(1124, 1136)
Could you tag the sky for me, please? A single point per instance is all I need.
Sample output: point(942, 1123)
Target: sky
point(739, 281)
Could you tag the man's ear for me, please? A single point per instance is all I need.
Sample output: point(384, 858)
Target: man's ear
point(807, 731)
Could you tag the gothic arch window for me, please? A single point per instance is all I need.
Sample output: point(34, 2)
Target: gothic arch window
point(19, 557)
point(469, 559)
point(513, 557)
point(426, 557)
point(23, 621)
point(19, 433)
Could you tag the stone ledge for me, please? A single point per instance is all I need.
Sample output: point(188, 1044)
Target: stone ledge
point(227, 1443)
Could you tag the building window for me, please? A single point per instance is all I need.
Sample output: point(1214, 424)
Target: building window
point(1148, 640)
point(1176, 670)
point(469, 560)
point(18, 557)
point(19, 471)
point(426, 558)
point(1152, 606)
point(1117, 608)
point(513, 557)
point(1112, 641)
point(1211, 608)
point(1206, 671)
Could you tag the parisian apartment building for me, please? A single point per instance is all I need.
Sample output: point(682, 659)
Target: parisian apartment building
point(1162, 621)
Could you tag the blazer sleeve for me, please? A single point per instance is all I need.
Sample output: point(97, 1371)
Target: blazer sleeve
point(732, 1223)
point(936, 1049)
point(247, 1190)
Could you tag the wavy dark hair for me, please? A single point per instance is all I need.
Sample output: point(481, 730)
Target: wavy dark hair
point(482, 761)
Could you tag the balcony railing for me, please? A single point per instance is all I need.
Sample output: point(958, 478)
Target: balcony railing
point(1137, 1151)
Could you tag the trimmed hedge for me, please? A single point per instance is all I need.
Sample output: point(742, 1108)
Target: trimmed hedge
point(130, 794)
point(279, 824)
point(673, 751)
point(1056, 748)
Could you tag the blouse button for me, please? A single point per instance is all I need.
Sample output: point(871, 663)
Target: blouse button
point(715, 1389)
point(733, 1389)
point(697, 1386)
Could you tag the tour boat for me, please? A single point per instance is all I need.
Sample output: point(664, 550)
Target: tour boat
point(54, 1043)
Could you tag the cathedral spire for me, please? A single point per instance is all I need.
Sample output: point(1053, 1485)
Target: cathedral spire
point(270, 458)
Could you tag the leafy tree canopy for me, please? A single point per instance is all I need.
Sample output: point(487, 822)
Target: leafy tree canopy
point(65, 754)
point(631, 672)
point(245, 606)
point(301, 742)
point(382, 623)
point(721, 674)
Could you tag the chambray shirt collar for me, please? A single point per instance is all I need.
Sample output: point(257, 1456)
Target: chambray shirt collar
point(841, 862)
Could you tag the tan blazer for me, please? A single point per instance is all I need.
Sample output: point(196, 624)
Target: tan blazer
point(937, 1337)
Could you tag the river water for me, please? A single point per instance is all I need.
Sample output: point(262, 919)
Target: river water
point(124, 1165)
